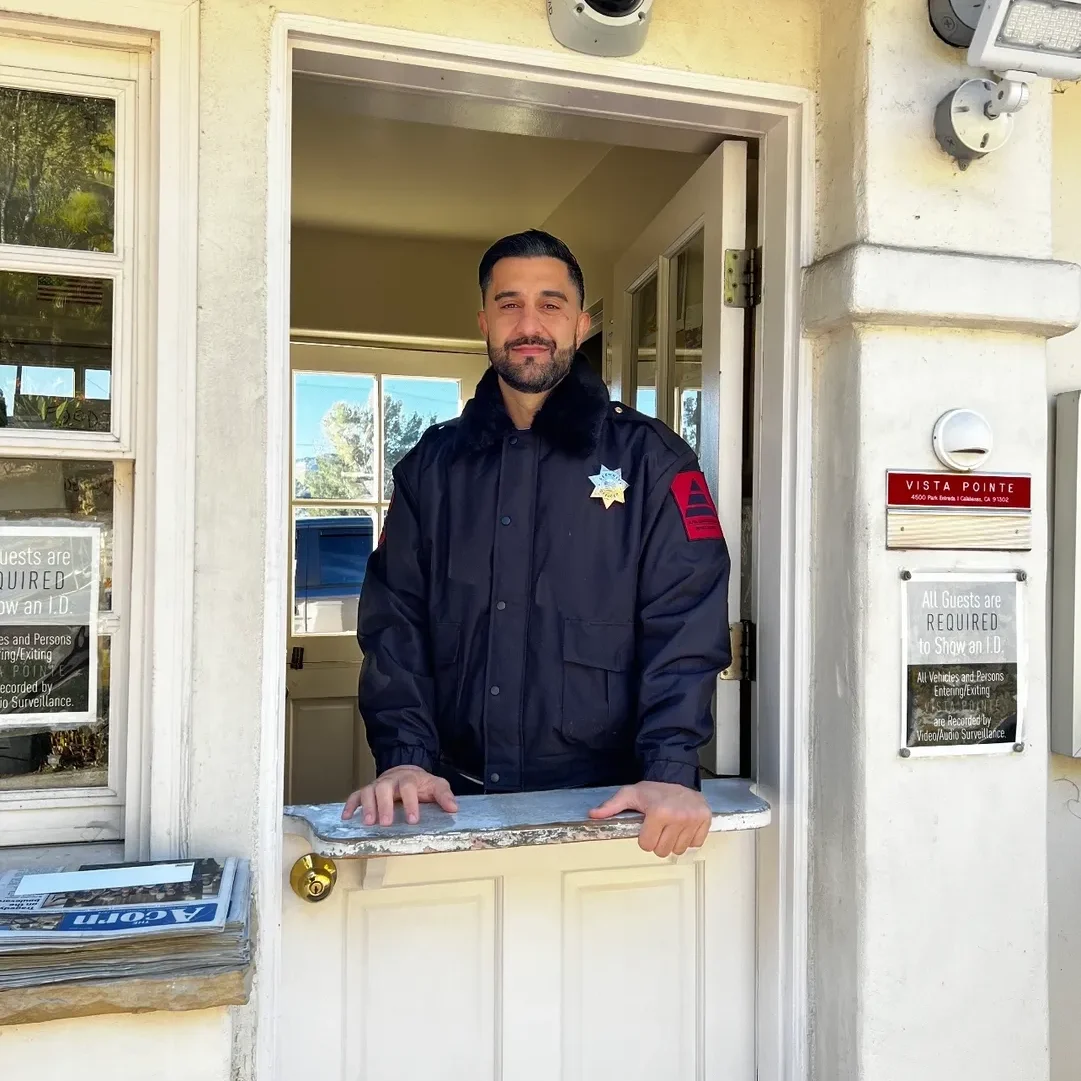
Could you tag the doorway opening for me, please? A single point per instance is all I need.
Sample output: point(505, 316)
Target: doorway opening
point(394, 200)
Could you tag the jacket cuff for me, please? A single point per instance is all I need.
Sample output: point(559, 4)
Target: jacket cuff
point(403, 754)
point(672, 771)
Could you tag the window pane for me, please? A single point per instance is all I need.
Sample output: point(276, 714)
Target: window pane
point(644, 339)
point(687, 335)
point(410, 406)
point(56, 170)
point(44, 758)
point(329, 559)
point(334, 436)
point(54, 331)
point(690, 417)
point(35, 491)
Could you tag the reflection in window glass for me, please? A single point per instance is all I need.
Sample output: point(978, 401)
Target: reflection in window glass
point(644, 337)
point(56, 170)
point(330, 555)
point(687, 339)
point(53, 331)
point(690, 418)
point(98, 383)
point(410, 406)
point(42, 758)
point(334, 436)
point(37, 491)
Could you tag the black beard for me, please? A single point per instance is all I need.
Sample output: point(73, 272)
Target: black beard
point(537, 374)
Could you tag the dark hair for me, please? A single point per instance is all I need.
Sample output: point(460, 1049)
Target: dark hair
point(532, 244)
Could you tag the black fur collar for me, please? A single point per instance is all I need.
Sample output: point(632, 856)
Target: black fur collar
point(570, 419)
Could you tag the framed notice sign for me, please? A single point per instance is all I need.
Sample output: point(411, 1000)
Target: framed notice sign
point(961, 653)
point(49, 581)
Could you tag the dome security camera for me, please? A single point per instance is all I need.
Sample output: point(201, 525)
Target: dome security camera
point(600, 27)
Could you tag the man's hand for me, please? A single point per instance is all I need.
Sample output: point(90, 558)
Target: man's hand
point(409, 785)
point(677, 818)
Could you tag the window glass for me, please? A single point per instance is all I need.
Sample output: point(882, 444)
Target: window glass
point(687, 334)
point(644, 336)
point(55, 333)
point(43, 757)
point(334, 437)
point(42, 492)
point(410, 406)
point(331, 550)
point(56, 170)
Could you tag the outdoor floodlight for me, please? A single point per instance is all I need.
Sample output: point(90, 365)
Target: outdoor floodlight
point(1018, 40)
point(600, 27)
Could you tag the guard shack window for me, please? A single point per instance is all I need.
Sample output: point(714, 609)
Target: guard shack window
point(74, 133)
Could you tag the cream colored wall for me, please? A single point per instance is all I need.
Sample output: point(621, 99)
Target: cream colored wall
point(1064, 800)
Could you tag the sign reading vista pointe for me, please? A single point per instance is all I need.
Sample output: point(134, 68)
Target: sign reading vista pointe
point(961, 645)
point(49, 580)
point(991, 511)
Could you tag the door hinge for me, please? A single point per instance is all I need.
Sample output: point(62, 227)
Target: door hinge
point(296, 658)
point(744, 659)
point(742, 277)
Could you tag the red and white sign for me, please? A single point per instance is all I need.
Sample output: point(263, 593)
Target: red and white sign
point(959, 491)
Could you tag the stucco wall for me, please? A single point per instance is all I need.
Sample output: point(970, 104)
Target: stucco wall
point(1064, 799)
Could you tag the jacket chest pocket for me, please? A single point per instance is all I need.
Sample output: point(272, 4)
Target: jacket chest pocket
point(446, 648)
point(598, 703)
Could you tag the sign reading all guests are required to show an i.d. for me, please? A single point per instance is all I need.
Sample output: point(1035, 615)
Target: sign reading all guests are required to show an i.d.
point(49, 582)
point(961, 654)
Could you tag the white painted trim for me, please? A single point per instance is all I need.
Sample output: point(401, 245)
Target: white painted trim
point(783, 119)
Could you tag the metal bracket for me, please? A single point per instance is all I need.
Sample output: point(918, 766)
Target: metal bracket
point(744, 659)
point(742, 277)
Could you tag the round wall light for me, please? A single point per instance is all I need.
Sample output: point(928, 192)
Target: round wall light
point(962, 440)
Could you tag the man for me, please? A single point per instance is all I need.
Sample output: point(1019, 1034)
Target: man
point(547, 607)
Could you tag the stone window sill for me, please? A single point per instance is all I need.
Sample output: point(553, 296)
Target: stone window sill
point(505, 821)
point(51, 1002)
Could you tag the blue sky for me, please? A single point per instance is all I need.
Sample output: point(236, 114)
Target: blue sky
point(55, 382)
point(317, 392)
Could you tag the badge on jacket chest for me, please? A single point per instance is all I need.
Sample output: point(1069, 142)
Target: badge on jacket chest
point(609, 486)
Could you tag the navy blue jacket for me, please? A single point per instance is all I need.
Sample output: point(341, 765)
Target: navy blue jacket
point(517, 633)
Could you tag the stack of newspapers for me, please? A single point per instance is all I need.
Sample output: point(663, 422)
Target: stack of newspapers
point(151, 920)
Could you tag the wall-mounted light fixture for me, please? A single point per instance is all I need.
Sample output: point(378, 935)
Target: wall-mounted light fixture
point(1019, 41)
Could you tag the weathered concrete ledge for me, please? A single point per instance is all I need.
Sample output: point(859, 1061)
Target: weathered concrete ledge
point(872, 285)
point(505, 821)
point(51, 1002)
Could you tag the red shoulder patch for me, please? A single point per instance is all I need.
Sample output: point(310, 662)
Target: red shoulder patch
point(696, 506)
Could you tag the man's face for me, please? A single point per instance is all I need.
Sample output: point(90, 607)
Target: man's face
point(532, 321)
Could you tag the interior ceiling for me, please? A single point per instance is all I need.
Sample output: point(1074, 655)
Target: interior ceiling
point(370, 160)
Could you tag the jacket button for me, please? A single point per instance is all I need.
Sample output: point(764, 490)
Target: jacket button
point(495, 690)
point(514, 441)
point(505, 520)
point(501, 605)
point(495, 778)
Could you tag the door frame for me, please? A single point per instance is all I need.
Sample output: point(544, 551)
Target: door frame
point(781, 118)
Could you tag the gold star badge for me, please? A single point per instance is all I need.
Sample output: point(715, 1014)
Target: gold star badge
point(609, 486)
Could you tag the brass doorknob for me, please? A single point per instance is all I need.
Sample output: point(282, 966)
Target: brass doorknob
point(313, 877)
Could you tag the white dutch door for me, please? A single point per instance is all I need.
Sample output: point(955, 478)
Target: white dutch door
point(578, 961)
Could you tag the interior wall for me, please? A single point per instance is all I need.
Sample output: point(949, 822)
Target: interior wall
point(1064, 800)
point(425, 286)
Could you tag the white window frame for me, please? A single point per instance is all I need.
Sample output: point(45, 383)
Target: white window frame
point(150, 69)
point(377, 358)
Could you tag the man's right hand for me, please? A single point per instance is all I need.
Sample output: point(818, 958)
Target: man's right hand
point(409, 785)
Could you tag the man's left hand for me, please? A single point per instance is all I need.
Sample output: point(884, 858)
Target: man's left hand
point(677, 818)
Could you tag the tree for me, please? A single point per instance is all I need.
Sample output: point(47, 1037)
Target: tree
point(56, 170)
point(347, 470)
